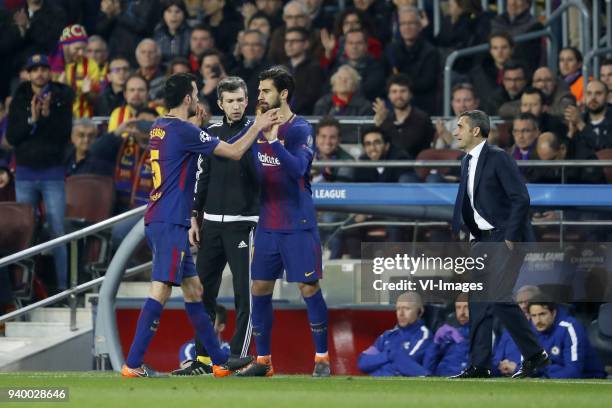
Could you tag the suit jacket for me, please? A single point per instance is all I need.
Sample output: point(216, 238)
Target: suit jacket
point(500, 195)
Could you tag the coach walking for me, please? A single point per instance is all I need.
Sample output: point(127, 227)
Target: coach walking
point(225, 213)
point(492, 205)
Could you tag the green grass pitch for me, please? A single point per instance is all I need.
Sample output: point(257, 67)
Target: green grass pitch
point(92, 389)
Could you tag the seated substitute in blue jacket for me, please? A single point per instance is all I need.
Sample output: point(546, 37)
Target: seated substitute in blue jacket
point(400, 351)
point(563, 338)
point(449, 354)
point(566, 342)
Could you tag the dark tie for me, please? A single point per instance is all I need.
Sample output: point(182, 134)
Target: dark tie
point(461, 194)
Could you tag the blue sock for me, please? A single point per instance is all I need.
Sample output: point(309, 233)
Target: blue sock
point(205, 331)
point(262, 316)
point(145, 330)
point(317, 316)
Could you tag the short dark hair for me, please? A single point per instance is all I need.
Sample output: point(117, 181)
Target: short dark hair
point(213, 52)
point(201, 27)
point(551, 306)
point(514, 65)
point(281, 78)
point(530, 90)
point(138, 76)
point(231, 84)
point(530, 117)
point(327, 121)
point(178, 61)
point(607, 61)
point(478, 119)
point(401, 80)
point(146, 109)
point(358, 30)
point(301, 31)
point(374, 129)
point(575, 51)
point(502, 34)
point(221, 313)
point(464, 86)
point(166, 4)
point(177, 87)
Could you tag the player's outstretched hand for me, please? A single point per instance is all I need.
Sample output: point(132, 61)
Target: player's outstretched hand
point(266, 120)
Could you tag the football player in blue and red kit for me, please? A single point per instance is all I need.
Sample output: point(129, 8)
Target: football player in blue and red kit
point(175, 142)
point(287, 237)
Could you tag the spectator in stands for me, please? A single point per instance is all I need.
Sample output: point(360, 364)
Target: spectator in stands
point(376, 15)
point(487, 77)
point(148, 56)
point(78, 71)
point(212, 71)
point(525, 131)
point(126, 23)
point(322, 16)
point(592, 131)
point(113, 94)
point(295, 14)
point(173, 34)
point(414, 56)
point(377, 146)
point(450, 352)
point(344, 100)
point(126, 151)
point(7, 179)
point(532, 101)
point(550, 146)
point(224, 22)
point(356, 55)
point(408, 127)
point(465, 26)
point(566, 342)
point(201, 40)
point(570, 70)
point(305, 71)
point(556, 93)
point(39, 24)
point(516, 20)
point(97, 50)
point(273, 9)
point(178, 65)
point(401, 350)
point(463, 99)
point(251, 63)
point(39, 123)
point(605, 75)
point(506, 101)
point(333, 44)
point(136, 97)
point(328, 138)
point(78, 160)
point(260, 22)
point(506, 355)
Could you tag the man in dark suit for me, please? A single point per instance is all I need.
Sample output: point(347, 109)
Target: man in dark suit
point(493, 205)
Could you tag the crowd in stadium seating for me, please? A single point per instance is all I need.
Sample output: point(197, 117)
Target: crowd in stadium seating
point(412, 349)
point(375, 58)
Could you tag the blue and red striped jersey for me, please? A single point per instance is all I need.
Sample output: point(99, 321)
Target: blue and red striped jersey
point(174, 145)
point(283, 168)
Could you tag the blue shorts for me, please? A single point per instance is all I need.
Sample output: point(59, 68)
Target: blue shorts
point(298, 253)
point(172, 260)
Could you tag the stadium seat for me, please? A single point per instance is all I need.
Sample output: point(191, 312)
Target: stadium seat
point(436, 154)
point(16, 232)
point(600, 333)
point(89, 199)
point(606, 154)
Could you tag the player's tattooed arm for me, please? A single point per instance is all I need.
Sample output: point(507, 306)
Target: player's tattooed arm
point(235, 150)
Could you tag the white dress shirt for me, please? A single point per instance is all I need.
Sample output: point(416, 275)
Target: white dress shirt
point(473, 163)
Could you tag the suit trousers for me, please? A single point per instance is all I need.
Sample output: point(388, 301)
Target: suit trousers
point(502, 267)
point(222, 243)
